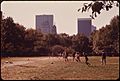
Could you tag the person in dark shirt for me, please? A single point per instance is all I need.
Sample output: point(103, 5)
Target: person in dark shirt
point(73, 56)
point(103, 58)
point(86, 59)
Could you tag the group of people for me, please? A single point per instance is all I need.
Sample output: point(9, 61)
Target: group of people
point(76, 57)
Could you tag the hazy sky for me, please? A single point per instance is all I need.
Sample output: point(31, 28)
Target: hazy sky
point(65, 13)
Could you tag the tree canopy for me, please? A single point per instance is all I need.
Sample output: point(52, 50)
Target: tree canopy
point(18, 41)
point(107, 38)
point(97, 5)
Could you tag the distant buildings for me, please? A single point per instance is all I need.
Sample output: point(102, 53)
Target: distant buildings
point(93, 28)
point(44, 23)
point(85, 26)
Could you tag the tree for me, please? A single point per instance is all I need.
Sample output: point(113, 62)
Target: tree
point(41, 44)
point(6, 28)
point(53, 39)
point(29, 40)
point(12, 36)
point(56, 49)
point(18, 37)
point(107, 38)
point(80, 43)
point(96, 6)
point(115, 32)
point(70, 51)
point(65, 40)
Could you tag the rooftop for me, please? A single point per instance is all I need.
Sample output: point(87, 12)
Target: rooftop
point(84, 19)
point(45, 15)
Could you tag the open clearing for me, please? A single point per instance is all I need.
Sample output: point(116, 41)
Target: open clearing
point(53, 68)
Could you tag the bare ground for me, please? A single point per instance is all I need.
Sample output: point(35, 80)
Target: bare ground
point(45, 68)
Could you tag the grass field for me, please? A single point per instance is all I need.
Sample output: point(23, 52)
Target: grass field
point(45, 68)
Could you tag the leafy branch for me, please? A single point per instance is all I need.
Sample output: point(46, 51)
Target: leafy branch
point(97, 6)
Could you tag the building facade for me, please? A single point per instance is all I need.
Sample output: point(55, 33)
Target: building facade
point(84, 26)
point(44, 23)
point(93, 28)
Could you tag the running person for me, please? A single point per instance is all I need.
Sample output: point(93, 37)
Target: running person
point(77, 55)
point(86, 59)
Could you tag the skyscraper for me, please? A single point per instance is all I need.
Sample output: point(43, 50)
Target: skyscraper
point(44, 23)
point(93, 28)
point(84, 26)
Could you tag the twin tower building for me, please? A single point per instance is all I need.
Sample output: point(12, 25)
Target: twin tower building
point(44, 23)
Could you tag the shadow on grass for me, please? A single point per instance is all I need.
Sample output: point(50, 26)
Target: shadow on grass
point(27, 66)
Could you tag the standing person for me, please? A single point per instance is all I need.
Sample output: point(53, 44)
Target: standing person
point(86, 59)
point(73, 56)
point(103, 58)
point(66, 56)
point(77, 55)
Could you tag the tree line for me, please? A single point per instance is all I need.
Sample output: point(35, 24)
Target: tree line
point(16, 40)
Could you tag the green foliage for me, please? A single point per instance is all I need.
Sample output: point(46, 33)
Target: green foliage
point(80, 43)
point(12, 36)
point(20, 42)
point(70, 51)
point(29, 40)
point(65, 40)
point(96, 6)
point(56, 49)
point(107, 38)
point(53, 39)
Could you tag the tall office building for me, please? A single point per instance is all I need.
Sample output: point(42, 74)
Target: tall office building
point(93, 28)
point(84, 26)
point(44, 23)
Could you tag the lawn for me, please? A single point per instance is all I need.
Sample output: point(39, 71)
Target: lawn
point(45, 68)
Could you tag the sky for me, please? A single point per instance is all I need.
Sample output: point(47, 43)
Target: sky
point(65, 13)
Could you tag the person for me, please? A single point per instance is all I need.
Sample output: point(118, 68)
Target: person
point(73, 56)
point(103, 58)
point(65, 55)
point(77, 55)
point(86, 59)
